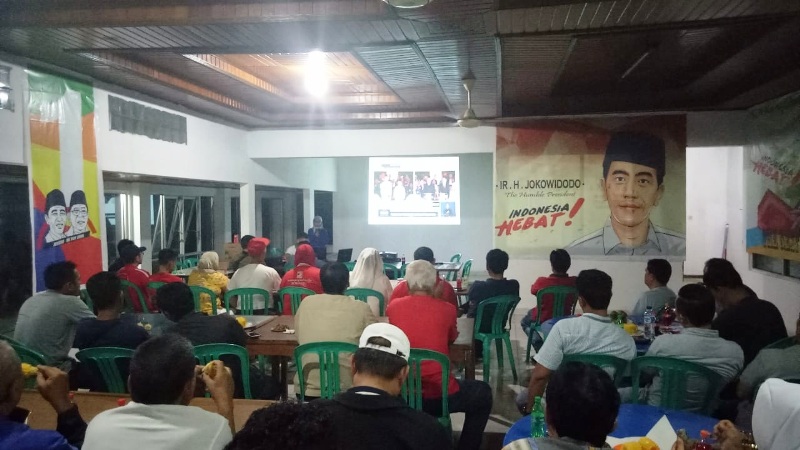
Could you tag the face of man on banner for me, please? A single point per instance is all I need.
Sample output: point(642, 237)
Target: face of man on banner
point(56, 215)
point(631, 190)
point(78, 214)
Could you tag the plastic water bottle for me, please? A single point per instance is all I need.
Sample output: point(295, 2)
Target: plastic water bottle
point(649, 323)
point(538, 425)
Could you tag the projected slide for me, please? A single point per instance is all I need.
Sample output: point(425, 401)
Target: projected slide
point(414, 191)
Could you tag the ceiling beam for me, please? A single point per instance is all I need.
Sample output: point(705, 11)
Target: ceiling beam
point(29, 13)
point(266, 48)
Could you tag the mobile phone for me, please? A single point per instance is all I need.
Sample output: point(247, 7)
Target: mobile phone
point(253, 334)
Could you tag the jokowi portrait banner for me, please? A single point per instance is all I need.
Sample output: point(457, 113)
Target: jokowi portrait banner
point(63, 175)
point(772, 180)
point(606, 188)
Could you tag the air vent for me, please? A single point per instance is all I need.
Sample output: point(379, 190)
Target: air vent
point(135, 118)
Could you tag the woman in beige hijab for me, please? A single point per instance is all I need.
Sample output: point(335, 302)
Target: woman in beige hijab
point(368, 273)
point(208, 276)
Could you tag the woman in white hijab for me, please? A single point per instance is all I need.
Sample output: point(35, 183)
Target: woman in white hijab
point(368, 273)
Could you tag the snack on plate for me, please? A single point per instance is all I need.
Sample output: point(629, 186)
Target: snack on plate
point(644, 443)
point(280, 328)
point(210, 369)
point(242, 321)
point(29, 371)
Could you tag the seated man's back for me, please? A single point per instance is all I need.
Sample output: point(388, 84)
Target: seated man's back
point(162, 382)
point(48, 320)
point(770, 363)
point(331, 317)
point(110, 328)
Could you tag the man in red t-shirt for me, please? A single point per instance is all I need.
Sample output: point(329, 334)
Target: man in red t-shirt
point(132, 257)
point(559, 262)
point(167, 260)
point(443, 289)
point(305, 274)
point(436, 330)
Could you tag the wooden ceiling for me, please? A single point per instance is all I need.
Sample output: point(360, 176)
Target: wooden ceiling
point(244, 61)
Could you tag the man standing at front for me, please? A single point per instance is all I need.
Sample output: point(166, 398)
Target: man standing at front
point(592, 333)
point(48, 320)
point(319, 238)
point(256, 275)
point(632, 184)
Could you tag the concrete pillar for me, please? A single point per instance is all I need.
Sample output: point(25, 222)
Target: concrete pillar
point(308, 208)
point(247, 208)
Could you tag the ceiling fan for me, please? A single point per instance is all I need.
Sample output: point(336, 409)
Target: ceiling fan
point(468, 119)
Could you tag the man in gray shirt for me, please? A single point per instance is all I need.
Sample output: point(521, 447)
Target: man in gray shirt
point(656, 277)
point(47, 321)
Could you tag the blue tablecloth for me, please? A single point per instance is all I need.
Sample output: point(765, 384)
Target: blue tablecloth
point(633, 420)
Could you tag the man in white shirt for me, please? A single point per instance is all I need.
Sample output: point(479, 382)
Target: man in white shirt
point(698, 343)
point(591, 333)
point(162, 383)
point(656, 276)
point(256, 275)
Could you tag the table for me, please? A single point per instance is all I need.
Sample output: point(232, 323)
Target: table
point(159, 323)
point(90, 404)
point(447, 267)
point(282, 345)
point(633, 420)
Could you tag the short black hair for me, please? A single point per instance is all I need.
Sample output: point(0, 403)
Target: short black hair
point(378, 363)
point(335, 278)
point(58, 274)
point(175, 300)
point(719, 272)
point(595, 288)
point(660, 269)
point(245, 240)
point(582, 403)
point(104, 289)
point(123, 243)
point(160, 368)
point(166, 256)
point(560, 260)
point(497, 261)
point(287, 426)
point(302, 235)
point(424, 253)
point(696, 303)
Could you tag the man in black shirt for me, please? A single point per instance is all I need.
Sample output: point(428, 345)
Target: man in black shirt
point(372, 414)
point(118, 263)
point(743, 317)
point(176, 302)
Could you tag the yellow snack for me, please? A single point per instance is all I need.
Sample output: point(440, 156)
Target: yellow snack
point(29, 370)
point(210, 369)
point(630, 328)
point(628, 446)
point(242, 321)
point(648, 444)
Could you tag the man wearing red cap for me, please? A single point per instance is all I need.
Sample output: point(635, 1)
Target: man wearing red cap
point(256, 274)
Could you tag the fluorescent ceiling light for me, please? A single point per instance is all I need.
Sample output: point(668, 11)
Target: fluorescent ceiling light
point(316, 79)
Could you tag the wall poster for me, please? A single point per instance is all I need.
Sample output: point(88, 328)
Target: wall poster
point(772, 180)
point(63, 175)
point(605, 188)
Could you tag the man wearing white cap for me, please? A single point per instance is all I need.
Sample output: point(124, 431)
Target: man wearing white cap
point(371, 414)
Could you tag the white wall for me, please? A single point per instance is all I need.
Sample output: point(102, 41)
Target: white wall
point(369, 142)
point(473, 238)
point(12, 142)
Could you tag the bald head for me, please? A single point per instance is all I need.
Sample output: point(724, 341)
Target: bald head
point(11, 381)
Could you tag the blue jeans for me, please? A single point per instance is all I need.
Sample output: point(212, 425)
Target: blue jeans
point(474, 398)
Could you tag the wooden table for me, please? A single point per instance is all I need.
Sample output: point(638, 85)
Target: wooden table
point(282, 345)
point(90, 404)
point(447, 267)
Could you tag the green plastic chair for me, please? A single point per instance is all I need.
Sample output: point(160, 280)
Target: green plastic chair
point(104, 359)
point(403, 271)
point(364, 294)
point(784, 343)
point(456, 258)
point(452, 276)
point(602, 361)
point(197, 293)
point(127, 287)
point(209, 352)
point(327, 363)
point(190, 262)
point(674, 374)
point(501, 309)
point(411, 391)
point(245, 296)
point(466, 269)
point(350, 265)
point(391, 271)
point(296, 295)
point(86, 299)
point(29, 356)
point(561, 308)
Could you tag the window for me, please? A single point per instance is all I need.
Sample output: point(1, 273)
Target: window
point(135, 118)
point(184, 224)
point(777, 266)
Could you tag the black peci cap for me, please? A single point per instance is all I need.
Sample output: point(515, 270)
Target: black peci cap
point(637, 148)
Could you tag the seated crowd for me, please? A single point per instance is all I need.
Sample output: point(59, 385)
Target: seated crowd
point(725, 328)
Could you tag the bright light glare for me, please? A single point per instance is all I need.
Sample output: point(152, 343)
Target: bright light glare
point(3, 96)
point(316, 79)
